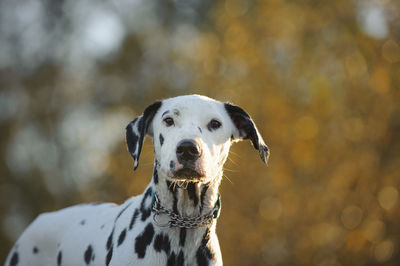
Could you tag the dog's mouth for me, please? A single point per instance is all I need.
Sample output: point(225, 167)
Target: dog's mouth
point(187, 174)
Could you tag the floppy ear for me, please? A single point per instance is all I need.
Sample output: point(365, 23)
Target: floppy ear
point(247, 129)
point(137, 130)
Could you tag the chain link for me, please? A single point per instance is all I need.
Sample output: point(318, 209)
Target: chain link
point(175, 220)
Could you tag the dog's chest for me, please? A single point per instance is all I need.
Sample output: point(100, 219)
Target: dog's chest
point(135, 237)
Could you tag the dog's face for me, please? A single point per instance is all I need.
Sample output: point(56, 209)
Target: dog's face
point(192, 135)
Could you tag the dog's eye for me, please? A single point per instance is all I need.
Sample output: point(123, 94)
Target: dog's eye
point(169, 121)
point(214, 124)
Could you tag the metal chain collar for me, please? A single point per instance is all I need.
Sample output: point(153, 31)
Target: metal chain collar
point(176, 220)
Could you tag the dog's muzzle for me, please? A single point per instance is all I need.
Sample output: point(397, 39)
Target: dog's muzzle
point(187, 153)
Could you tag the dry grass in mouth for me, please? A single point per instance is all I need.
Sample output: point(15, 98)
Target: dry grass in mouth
point(182, 183)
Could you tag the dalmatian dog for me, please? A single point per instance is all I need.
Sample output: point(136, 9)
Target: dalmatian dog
point(173, 222)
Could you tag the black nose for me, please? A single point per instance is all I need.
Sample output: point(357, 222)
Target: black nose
point(187, 151)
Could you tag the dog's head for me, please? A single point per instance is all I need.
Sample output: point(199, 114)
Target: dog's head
point(192, 135)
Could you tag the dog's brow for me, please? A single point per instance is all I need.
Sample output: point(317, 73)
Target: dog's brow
point(166, 112)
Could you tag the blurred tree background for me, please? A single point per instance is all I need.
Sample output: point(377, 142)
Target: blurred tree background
point(320, 78)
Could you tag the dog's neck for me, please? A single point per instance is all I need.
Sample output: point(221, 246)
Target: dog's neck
point(189, 200)
point(196, 199)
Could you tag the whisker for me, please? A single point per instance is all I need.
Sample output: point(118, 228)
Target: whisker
point(231, 160)
point(234, 153)
point(230, 181)
point(231, 170)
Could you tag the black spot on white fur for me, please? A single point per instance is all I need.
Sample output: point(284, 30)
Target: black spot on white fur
point(109, 240)
point(14, 259)
point(162, 243)
point(109, 256)
point(155, 174)
point(161, 140)
point(171, 259)
point(133, 220)
point(180, 261)
point(88, 254)
point(59, 258)
point(204, 254)
point(174, 260)
point(35, 250)
point(202, 196)
point(192, 192)
point(121, 237)
point(109, 247)
point(143, 240)
point(110, 244)
point(182, 237)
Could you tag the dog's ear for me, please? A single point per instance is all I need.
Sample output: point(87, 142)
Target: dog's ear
point(137, 130)
point(246, 129)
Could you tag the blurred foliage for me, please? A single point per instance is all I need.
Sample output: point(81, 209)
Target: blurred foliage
point(320, 78)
